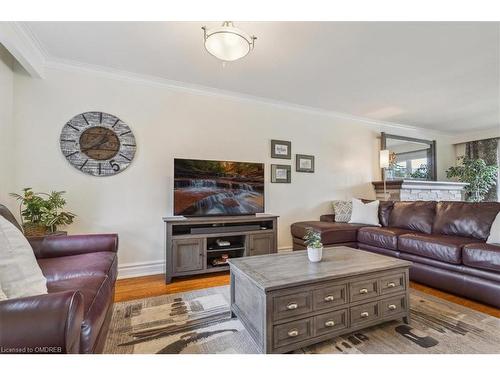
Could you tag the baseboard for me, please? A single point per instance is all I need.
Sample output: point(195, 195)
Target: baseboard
point(141, 269)
point(157, 267)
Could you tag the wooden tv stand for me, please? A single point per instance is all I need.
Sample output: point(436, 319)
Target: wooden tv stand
point(191, 247)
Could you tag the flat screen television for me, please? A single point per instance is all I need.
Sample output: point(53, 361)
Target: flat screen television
point(210, 187)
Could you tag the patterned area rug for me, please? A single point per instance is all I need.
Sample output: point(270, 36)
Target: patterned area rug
point(198, 322)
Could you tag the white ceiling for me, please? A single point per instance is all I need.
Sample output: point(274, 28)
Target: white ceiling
point(443, 75)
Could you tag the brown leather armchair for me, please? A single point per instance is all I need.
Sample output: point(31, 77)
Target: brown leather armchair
point(74, 316)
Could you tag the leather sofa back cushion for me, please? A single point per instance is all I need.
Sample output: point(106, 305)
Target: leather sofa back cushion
point(417, 216)
point(465, 218)
point(384, 212)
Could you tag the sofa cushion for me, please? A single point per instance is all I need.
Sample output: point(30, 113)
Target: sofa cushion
point(97, 297)
point(331, 233)
point(417, 216)
point(482, 255)
point(365, 213)
point(20, 274)
point(494, 237)
point(3, 296)
point(75, 266)
point(465, 218)
point(342, 211)
point(386, 237)
point(384, 212)
point(444, 248)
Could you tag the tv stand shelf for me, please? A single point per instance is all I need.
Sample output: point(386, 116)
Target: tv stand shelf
point(190, 242)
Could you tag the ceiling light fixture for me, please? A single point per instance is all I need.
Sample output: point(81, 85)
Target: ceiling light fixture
point(228, 43)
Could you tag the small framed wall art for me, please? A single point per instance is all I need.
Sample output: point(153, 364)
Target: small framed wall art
point(281, 173)
point(304, 163)
point(281, 149)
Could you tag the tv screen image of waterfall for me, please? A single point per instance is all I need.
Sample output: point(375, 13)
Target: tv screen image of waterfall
point(209, 187)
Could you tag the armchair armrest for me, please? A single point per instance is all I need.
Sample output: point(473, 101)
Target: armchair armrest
point(57, 246)
point(48, 323)
point(329, 218)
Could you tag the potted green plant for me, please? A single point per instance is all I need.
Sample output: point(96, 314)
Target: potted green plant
point(479, 176)
point(312, 239)
point(41, 213)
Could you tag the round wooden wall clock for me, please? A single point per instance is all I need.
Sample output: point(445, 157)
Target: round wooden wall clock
point(98, 143)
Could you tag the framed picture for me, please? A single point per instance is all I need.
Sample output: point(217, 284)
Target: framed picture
point(281, 149)
point(304, 163)
point(281, 173)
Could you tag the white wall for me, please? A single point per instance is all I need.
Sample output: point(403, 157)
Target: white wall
point(7, 169)
point(172, 123)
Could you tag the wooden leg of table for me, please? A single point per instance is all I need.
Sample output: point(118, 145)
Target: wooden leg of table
point(407, 320)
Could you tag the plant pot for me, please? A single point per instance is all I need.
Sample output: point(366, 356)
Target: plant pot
point(34, 229)
point(315, 254)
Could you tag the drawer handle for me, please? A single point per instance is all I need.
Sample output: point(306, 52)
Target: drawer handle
point(363, 291)
point(292, 306)
point(364, 314)
point(329, 323)
point(329, 298)
point(391, 285)
point(293, 333)
point(391, 307)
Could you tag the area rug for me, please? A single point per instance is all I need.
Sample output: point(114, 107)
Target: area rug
point(199, 322)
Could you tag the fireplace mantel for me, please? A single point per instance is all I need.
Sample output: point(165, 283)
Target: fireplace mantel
point(420, 190)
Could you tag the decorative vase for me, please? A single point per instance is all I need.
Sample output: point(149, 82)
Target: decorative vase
point(315, 254)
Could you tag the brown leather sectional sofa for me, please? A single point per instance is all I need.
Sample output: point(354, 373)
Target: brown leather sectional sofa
point(446, 241)
point(74, 316)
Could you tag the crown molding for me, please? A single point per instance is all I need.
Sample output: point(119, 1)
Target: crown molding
point(51, 62)
point(22, 46)
point(120, 75)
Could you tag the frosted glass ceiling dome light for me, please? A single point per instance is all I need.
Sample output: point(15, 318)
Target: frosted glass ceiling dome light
point(228, 43)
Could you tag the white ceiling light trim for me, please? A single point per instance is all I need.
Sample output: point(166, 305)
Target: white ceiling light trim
point(228, 43)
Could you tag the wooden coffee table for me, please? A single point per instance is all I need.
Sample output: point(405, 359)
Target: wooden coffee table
point(286, 302)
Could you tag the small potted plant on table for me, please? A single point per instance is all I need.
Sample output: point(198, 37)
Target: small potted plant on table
point(41, 212)
point(314, 246)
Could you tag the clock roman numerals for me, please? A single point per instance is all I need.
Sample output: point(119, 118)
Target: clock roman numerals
point(83, 115)
point(123, 156)
point(72, 127)
point(73, 153)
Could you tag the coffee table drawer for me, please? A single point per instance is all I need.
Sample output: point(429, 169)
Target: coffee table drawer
point(330, 322)
point(361, 290)
point(393, 283)
point(289, 333)
point(393, 306)
point(364, 313)
point(329, 297)
point(292, 305)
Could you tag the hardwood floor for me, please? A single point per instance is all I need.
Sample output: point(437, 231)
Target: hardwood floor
point(149, 286)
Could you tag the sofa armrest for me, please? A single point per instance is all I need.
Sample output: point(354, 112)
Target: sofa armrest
point(328, 218)
point(57, 246)
point(48, 323)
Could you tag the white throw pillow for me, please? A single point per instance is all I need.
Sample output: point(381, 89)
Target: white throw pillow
point(20, 274)
point(494, 237)
point(3, 297)
point(364, 213)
